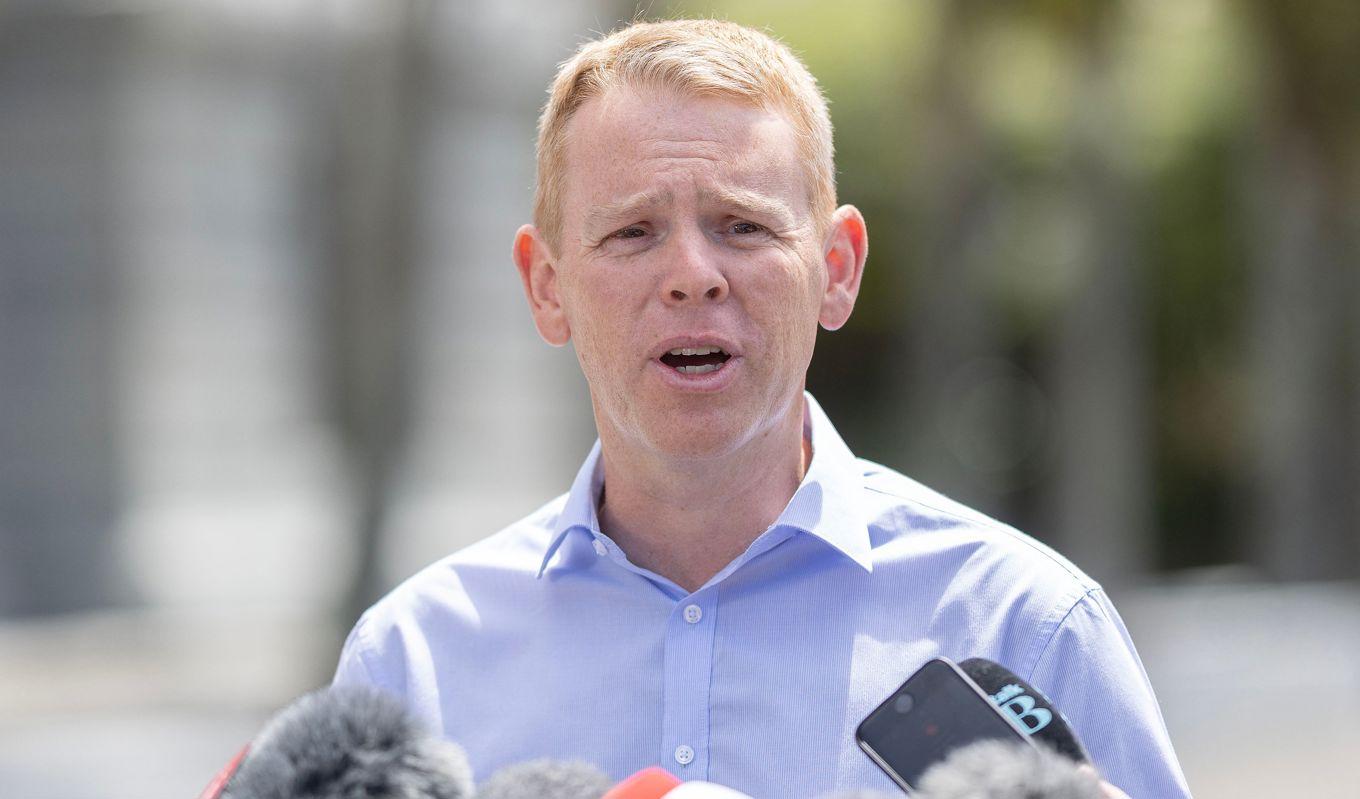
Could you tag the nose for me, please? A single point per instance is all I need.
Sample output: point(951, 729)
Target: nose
point(693, 271)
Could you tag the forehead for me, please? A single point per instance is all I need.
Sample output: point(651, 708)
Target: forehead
point(641, 140)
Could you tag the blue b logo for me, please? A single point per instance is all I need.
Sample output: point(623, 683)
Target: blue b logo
point(1030, 718)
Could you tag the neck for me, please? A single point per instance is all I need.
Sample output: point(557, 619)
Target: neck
point(685, 519)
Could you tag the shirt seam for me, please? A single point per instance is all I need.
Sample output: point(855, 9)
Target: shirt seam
point(991, 524)
point(1053, 634)
point(362, 648)
point(708, 700)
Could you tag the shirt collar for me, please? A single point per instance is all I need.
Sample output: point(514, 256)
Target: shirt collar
point(579, 512)
point(826, 504)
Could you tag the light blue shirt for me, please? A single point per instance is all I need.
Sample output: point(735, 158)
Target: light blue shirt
point(543, 640)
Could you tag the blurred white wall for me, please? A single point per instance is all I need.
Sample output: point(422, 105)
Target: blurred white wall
point(201, 168)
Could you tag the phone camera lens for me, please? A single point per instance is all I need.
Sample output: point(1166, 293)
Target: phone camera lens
point(904, 703)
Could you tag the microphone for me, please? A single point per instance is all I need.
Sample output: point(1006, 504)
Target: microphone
point(995, 769)
point(1026, 706)
point(339, 743)
point(655, 783)
point(546, 779)
point(652, 782)
point(704, 790)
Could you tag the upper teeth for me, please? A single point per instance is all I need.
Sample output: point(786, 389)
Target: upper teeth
point(695, 351)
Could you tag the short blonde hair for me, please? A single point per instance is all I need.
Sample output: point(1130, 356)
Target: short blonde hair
point(695, 57)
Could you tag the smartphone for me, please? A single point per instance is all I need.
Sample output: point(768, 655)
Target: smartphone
point(937, 710)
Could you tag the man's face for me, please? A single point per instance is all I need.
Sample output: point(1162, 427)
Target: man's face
point(687, 226)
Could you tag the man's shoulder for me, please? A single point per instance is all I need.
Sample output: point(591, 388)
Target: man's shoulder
point(507, 559)
point(906, 516)
point(517, 547)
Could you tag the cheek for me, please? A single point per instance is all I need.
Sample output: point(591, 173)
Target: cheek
point(598, 312)
point(788, 298)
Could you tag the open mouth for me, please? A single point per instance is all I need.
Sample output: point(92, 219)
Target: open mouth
point(695, 360)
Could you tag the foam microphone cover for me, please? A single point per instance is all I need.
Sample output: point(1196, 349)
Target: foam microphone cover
point(546, 779)
point(1027, 705)
point(652, 782)
point(699, 789)
point(347, 743)
point(1004, 770)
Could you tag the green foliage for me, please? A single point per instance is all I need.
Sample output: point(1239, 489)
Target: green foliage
point(987, 143)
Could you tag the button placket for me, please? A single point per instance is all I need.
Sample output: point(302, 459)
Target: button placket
point(688, 675)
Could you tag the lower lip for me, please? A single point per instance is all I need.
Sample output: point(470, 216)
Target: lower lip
point(705, 383)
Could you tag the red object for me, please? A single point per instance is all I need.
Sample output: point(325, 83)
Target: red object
point(219, 783)
point(650, 783)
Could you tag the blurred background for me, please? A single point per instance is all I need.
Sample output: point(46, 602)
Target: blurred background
point(263, 352)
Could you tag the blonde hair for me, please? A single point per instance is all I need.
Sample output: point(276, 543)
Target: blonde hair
point(695, 57)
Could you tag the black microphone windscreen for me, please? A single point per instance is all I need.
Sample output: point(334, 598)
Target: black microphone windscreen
point(996, 769)
point(1027, 706)
point(546, 779)
point(341, 743)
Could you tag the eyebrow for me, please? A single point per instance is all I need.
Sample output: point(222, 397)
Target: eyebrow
point(602, 215)
point(743, 200)
point(754, 202)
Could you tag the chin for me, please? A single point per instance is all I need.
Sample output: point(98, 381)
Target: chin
point(698, 441)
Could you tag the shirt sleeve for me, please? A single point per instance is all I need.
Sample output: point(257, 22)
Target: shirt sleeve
point(352, 668)
point(1091, 671)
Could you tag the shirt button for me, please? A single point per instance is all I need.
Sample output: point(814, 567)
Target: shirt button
point(600, 548)
point(684, 755)
point(693, 613)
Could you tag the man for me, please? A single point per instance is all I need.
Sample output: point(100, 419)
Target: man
point(726, 590)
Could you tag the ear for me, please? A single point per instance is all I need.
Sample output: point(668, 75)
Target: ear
point(847, 247)
point(538, 272)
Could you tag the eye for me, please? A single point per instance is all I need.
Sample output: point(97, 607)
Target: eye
point(745, 228)
point(628, 240)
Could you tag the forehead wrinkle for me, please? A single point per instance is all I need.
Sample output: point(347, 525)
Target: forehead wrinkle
point(669, 147)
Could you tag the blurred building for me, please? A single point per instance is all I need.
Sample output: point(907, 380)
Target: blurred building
point(262, 353)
